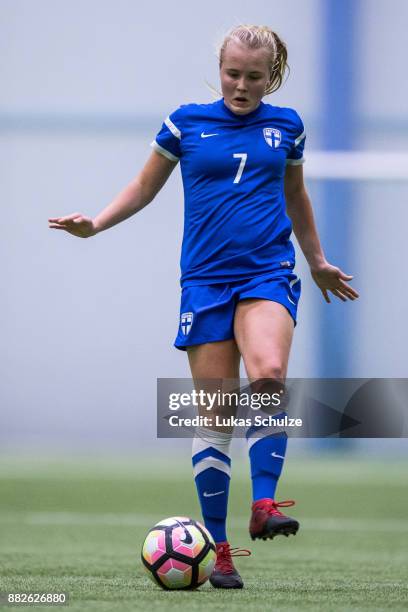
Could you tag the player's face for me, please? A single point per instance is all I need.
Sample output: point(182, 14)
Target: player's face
point(244, 75)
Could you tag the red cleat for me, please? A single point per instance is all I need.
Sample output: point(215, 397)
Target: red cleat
point(224, 575)
point(267, 521)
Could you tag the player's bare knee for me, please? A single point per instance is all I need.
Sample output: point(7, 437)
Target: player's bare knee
point(270, 370)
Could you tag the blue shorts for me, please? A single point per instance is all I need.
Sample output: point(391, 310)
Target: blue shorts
point(207, 311)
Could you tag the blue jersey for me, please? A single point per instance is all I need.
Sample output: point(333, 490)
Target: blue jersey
point(233, 166)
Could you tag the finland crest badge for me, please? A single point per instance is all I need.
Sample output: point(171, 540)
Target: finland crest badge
point(273, 137)
point(186, 321)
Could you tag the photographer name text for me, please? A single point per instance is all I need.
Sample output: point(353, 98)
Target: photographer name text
point(231, 421)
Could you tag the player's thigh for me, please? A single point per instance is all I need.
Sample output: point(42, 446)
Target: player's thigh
point(214, 359)
point(215, 367)
point(263, 331)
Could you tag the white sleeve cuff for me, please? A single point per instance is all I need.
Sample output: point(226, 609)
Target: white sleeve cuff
point(295, 162)
point(164, 152)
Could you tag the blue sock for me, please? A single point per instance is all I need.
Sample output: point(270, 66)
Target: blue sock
point(212, 471)
point(266, 455)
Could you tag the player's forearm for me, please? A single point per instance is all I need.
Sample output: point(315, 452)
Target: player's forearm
point(128, 202)
point(300, 211)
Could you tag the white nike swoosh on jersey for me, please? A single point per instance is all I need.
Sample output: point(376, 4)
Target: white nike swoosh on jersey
point(291, 301)
point(212, 494)
point(207, 135)
point(277, 456)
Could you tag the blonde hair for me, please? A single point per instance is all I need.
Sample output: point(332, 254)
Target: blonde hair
point(261, 37)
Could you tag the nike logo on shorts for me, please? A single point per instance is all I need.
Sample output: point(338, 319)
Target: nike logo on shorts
point(207, 135)
point(293, 282)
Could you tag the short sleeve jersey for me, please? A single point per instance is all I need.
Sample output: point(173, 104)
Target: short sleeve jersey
point(233, 167)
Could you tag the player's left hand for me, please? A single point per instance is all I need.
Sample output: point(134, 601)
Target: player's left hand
point(330, 278)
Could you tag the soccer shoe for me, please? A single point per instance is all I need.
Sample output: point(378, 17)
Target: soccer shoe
point(224, 575)
point(267, 521)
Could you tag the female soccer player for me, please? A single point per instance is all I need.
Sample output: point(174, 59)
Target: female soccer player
point(241, 163)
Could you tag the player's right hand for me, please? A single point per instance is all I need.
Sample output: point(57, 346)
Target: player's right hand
point(75, 224)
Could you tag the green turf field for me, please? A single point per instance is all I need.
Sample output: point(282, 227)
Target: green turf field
point(78, 526)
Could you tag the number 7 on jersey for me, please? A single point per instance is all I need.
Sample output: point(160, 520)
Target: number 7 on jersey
point(243, 158)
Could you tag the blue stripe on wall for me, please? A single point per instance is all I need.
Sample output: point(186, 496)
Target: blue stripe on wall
point(338, 199)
